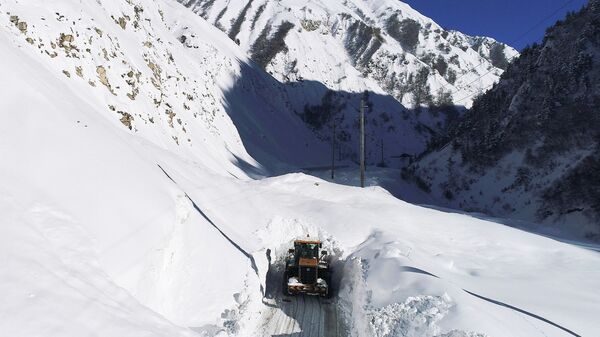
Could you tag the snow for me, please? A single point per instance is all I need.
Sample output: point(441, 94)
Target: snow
point(111, 231)
point(496, 191)
point(52, 283)
point(318, 61)
point(416, 317)
point(485, 258)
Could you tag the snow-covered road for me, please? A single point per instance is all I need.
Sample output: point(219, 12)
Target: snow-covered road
point(297, 316)
point(301, 316)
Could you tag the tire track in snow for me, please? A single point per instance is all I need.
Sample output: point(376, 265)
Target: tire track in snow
point(277, 326)
point(331, 326)
point(320, 318)
point(291, 326)
point(315, 320)
point(300, 317)
point(304, 317)
point(296, 316)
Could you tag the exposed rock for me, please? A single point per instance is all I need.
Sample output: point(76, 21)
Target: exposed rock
point(127, 119)
point(65, 41)
point(170, 115)
point(133, 94)
point(22, 25)
point(104, 79)
point(51, 54)
point(122, 22)
point(310, 25)
point(156, 74)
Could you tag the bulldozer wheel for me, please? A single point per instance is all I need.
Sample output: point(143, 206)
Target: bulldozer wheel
point(284, 285)
point(329, 293)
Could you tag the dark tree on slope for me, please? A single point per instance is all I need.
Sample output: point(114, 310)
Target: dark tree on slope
point(406, 32)
point(443, 103)
point(576, 192)
point(318, 115)
point(441, 66)
point(264, 48)
point(420, 89)
point(236, 24)
point(498, 57)
point(546, 107)
point(362, 42)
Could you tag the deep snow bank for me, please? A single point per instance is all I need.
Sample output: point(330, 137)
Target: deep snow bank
point(97, 240)
point(62, 146)
point(51, 281)
point(414, 264)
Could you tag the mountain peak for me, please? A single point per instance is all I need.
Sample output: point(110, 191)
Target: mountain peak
point(359, 45)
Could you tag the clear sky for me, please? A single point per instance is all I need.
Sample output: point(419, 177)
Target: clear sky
point(515, 22)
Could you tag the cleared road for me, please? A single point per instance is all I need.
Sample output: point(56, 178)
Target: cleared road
point(297, 316)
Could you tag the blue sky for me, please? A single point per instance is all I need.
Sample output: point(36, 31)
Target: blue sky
point(509, 21)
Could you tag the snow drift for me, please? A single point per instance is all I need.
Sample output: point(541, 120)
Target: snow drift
point(127, 206)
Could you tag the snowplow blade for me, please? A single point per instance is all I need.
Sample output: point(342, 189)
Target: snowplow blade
point(307, 289)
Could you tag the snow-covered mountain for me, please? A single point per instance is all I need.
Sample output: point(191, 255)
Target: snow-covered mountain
point(530, 147)
point(357, 45)
point(125, 60)
point(133, 200)
point(348, 47)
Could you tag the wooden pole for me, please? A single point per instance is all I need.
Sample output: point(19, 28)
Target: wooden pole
point(333, 152)
point(382, 162)
point(362, 143)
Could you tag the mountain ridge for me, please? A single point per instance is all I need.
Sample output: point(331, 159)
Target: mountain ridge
point(368, 32)
point(332, 52)
point(536, 131)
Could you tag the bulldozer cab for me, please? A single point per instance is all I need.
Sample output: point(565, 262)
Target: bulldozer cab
point(307, 250)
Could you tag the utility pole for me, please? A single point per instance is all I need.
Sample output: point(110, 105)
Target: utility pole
point(333, 151)
point(382, 162)
point(362, 143)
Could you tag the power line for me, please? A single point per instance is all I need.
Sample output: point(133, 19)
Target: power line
point(473, 94)
point(542, 21)
point(484, 89)
point(362, 143)
point(519, 38)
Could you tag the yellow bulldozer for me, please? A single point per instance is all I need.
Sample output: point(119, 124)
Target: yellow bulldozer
point(307, 270)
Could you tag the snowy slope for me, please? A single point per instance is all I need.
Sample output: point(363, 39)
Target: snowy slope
point(74, 172)
point(358, 45)
point(529, 148)
point(327, 53)
point(389, 248)
point(129, 59)
point(97, 239)
point(67, 151)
